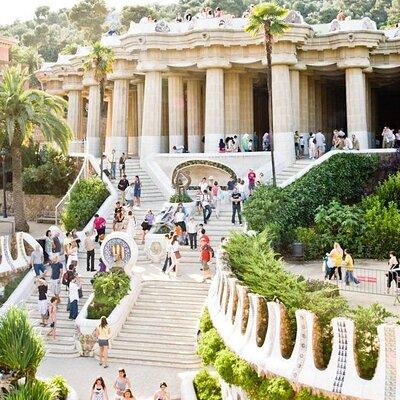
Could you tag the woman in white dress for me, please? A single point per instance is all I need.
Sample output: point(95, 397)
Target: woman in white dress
point(99, 390)
point(175, 255)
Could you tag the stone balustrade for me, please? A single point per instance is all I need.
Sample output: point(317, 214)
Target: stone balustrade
point(341, 376)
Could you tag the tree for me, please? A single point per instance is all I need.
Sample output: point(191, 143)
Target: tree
point(135, 14)
point(42, 13)
point(89, 16)
point(100, 62)
point(22, 110)
point(30, 59)
point(394, 13)
point(268, 18)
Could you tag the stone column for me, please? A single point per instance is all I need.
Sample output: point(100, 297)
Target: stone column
point(282, 116)
point(152, 107)
point(232, 104)
point(176, 111)
point(165, 119)
point(119, 127)
point(246, 105)
point(295, 86)
point(194, 115)
point(132, 124)
point(311, 104)
point(93, 121)
point(74, 116)
point(140, 97)
point(318, 106)
point(214, 118)
point(356, 105)
point(304, 110)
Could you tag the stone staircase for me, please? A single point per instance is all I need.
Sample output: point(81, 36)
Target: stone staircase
point(292, 170)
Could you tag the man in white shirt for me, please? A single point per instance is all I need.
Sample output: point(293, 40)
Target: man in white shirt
point(320, 143)
point(205, 202)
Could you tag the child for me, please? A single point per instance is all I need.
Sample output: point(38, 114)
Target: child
point(301, 142)
point(102, 266)
point(52, 316)
point(199, 195)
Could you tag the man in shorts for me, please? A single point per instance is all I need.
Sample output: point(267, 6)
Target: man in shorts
point(56, 275)
point(37, 260)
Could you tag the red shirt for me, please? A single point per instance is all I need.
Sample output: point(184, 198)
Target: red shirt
point(252, 177)
point(99, 222)
point(205, 253)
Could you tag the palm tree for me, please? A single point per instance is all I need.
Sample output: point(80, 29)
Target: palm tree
point(21, 111)
point(100, 61)
point(268, 19)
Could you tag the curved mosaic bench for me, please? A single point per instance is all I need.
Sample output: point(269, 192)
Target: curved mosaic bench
point(340, 376)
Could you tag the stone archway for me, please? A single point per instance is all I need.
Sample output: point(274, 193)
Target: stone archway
point(205, 168)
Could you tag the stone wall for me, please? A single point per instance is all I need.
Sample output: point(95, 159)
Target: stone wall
point(35, 204)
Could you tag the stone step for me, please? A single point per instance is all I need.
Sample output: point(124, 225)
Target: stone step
point(159, 348)
point(166, 330)
point(162, 320)
point(168, 362)
point(155, 356)
point(165, 314)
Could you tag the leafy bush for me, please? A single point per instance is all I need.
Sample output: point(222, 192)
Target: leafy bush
point(205, 321)
point(86, 198)
point(225, 363)
point(389, 190)
point(109, 289)
point(279, 389)
point(207, 386)
point(12, 285)
point(47, 171)
point(305, 394)
point(60, 387)
point(180, 198)
point(34, 390)
point(314, 247)
point(21, 348)
point(209, 346)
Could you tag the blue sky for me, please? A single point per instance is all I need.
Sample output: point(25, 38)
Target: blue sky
point(24, 9)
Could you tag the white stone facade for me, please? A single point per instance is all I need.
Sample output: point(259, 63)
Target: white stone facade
point(194, 83)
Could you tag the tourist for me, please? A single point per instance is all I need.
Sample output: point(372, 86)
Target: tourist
point(99, 390)
point(394, 269)
point(137, 191)
point(250, 145)
point(348, 144)
point(162, 393)
point(349, 264)
point(130, 222)
point(236, 199)
point(216, 198)
point(102, 267)
point(57, 249)
point(251, 176)
point(319, 143)
point(89, 246)
point(119, 221)
point(341, 16)
point(241, 189)
point(168, 249)
point(245, 142)
point(355, 142)
point(301, 144)
point(37, 260)
point(99, 225)
point(178, 149)
point(52, 312)
point(55, 277)
point(43, 305)
point(130, 194)
point(145, 229)
point(205, 255)
point(188, 16)
point(113, 163)
point(121, 384)
point(337, 258)
point(236, 146)
point(122, 165)
point(198, 198)
point(312, 147)
point(175, 255)
point(192, 228)
point(265, 141)
point(103, 334)
point(388, 138)
point(231, 184)
point(203, 185)
point(205, 203)
point(73, 297)
point(72, 254)
point(179, 219)
point(221, 145)
point(128, 395)
point(48, 247)
point(297, 144)
point(122, 185)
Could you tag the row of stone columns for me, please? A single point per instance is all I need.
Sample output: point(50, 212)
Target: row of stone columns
point(139, 125)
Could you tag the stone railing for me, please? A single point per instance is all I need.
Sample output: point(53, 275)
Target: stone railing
point(230, 303)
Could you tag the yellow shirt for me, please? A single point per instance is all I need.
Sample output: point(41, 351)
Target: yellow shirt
point(103, 333)
point(348, 260)
point(337, 258)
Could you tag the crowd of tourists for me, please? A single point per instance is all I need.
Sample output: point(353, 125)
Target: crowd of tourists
point(390, 139)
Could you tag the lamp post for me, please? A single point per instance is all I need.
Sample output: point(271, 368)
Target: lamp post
point(3, 153)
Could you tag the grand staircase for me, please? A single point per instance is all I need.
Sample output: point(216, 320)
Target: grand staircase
point(292, 170)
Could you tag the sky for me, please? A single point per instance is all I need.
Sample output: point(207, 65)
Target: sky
point(10, 10)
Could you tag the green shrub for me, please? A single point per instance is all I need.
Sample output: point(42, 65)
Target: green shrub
point(381, 223)
point(389, 190)
point(246, 377)
point(279, 389)
point(225, 363)
point(305, 394)
point(180, 198)
point(209, 346)
point(207, 387)
point(60, 386)
point(366, 320)
point(12, 285)
point(86, 198)
point(205, 321)
point(314, 247)
point(109, 289)
point(34, 390)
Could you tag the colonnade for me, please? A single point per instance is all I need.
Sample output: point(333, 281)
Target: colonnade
point(148, 116)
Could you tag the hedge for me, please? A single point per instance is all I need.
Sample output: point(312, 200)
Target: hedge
point(85, 199)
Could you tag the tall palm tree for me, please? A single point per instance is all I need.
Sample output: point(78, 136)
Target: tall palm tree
point(21, 111)
point(268, 19)
point(100, 61)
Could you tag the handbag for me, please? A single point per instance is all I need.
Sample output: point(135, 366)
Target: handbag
point(80, 293)
point(177, 255)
